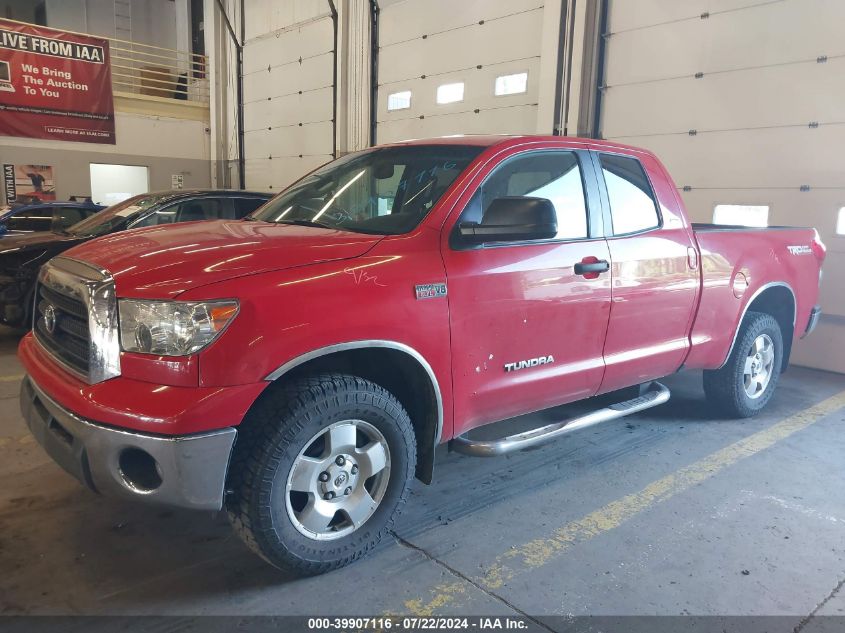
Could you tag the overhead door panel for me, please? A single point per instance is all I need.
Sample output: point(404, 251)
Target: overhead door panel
point(288, 103)
point(639, 15)
point(742, 101)
point(424, 44)
point(728, 100)
point(750, 36)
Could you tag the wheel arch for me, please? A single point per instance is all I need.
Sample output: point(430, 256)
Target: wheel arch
point(776, 299)
point(397, 367)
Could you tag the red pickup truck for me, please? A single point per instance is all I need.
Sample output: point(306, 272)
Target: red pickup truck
point(300, 366)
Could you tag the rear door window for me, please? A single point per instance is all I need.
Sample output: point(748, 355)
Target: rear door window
point(632, 205)
point(245, 206)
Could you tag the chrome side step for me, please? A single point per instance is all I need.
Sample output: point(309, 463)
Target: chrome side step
point(654, 395)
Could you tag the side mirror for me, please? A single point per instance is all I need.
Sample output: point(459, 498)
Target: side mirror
point(513, 219)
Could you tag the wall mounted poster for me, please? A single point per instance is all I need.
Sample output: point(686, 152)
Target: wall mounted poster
point(54, 85)
point(26, 183)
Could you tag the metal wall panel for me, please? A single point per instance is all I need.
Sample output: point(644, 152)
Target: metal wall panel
point(766, 117)
point(426, 43)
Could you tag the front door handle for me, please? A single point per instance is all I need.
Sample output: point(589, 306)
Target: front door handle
point(591, 267)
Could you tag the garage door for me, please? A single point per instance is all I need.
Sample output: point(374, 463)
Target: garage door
point(742, 99)
point(441, 64)
point(288, 92)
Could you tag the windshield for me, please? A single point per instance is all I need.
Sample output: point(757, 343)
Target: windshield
point(386, 191)
point(115, 216)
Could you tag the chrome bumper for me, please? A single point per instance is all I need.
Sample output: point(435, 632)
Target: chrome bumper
point(185, 471)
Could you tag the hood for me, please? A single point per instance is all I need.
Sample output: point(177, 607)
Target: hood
point(40, 240)
point(163, 262)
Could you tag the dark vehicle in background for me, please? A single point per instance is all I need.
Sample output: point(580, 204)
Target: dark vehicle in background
point(22, 255)
point(29, 217)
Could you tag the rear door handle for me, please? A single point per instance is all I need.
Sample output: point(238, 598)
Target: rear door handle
point(592, 267)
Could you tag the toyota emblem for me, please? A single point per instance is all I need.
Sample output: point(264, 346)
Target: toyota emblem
point(50, 319)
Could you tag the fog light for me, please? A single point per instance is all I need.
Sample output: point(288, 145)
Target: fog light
point(139, 470)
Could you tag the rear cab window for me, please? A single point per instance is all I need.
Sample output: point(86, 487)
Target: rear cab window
point(633, 208)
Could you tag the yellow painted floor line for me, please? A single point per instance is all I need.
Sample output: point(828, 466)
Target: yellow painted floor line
point(541, 551)
point(14, 378)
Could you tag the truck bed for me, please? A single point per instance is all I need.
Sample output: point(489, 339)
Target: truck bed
point(739, 263)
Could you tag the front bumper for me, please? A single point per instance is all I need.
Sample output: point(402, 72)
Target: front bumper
point(187, 471)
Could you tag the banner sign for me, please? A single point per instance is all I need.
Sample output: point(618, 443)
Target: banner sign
point(28, 183)
point(54, 85)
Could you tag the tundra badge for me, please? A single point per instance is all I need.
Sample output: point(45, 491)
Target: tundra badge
point(531, 362)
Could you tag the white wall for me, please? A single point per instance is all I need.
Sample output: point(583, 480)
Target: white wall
point(751, 110)
point(167, 146)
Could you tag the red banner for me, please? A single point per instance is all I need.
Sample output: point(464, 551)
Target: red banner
point(54, 85)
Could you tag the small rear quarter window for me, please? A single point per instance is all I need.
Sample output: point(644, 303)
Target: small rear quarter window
point(632, 205)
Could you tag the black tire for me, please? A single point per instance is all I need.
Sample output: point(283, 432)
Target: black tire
point(271, 438)
point(725, 387)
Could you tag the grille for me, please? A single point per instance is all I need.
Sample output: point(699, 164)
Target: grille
point(70, 340)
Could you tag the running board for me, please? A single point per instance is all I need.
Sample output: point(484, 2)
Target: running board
point(654, 395)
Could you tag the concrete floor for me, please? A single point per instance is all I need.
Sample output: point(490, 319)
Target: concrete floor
point(668, 512)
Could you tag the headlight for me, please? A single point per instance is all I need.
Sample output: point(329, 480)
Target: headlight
point(172, 328)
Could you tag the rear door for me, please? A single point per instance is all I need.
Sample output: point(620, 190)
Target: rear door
point(527, 329)
point(654, 270)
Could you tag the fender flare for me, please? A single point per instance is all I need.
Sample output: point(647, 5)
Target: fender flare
point(757, 293)
point(343, 347)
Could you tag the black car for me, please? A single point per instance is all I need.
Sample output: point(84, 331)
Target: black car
point(22, 255)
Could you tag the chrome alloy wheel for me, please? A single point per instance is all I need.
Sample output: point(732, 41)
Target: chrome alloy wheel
point(338, 480)
point(759, 366)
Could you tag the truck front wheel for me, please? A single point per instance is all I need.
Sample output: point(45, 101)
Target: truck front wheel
point(748, 380)
point(320, 471)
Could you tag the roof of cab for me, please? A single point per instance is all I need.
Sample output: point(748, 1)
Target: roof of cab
point(506, 140)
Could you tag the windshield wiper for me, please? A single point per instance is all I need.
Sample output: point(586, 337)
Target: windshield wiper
point(321, 225)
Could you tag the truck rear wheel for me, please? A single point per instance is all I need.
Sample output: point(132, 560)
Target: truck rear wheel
point(748, 380)
point(320, 471)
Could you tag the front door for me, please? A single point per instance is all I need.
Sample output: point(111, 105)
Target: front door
point(528, 319)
